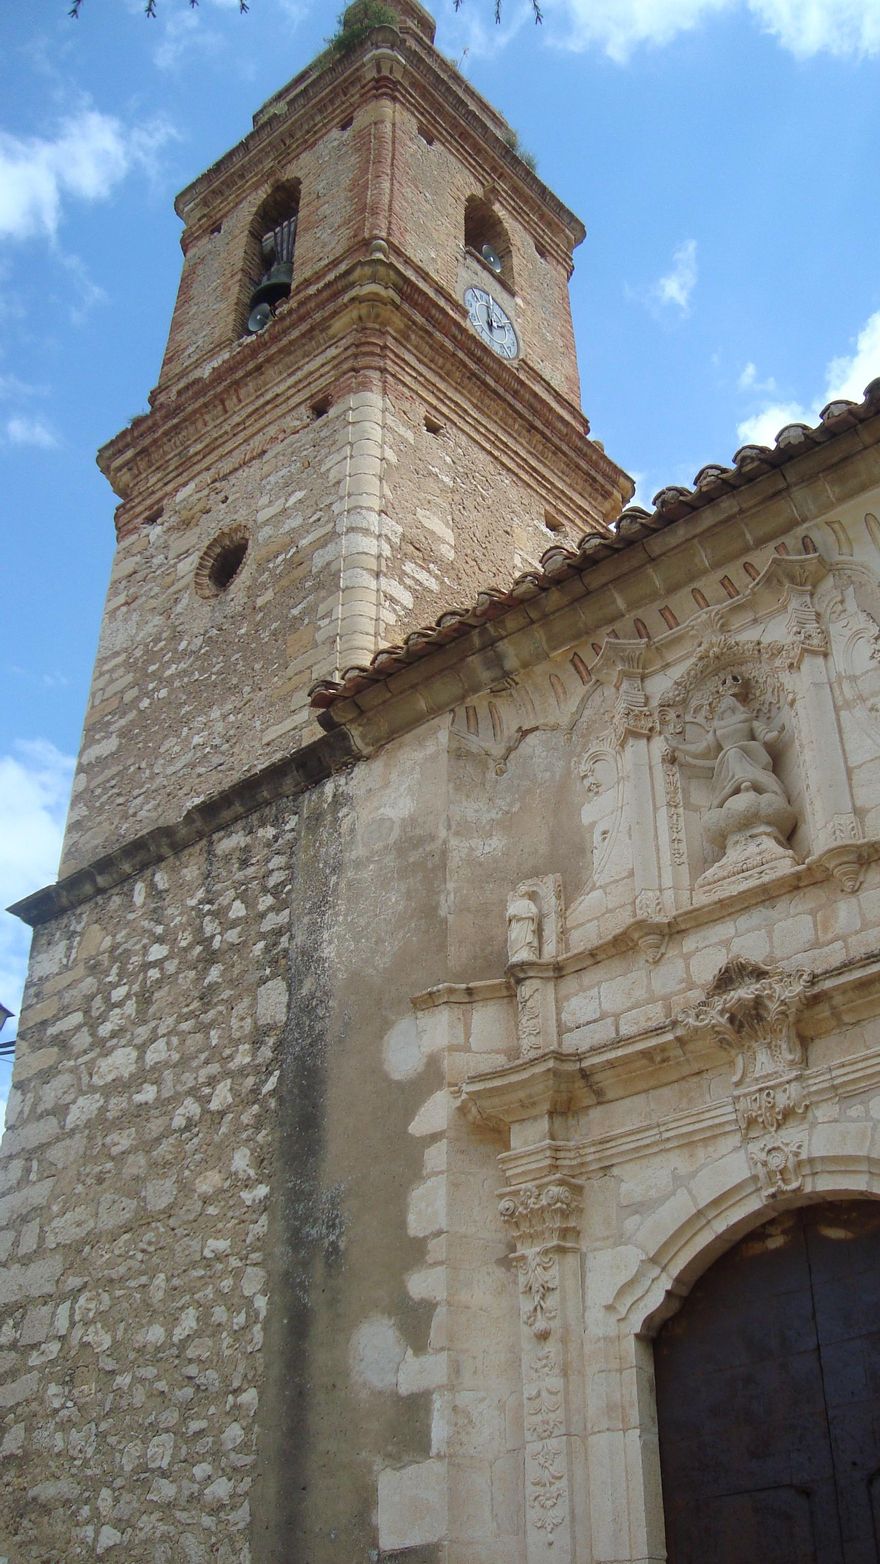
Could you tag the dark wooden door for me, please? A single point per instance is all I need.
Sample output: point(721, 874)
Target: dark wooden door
point(768, 1397)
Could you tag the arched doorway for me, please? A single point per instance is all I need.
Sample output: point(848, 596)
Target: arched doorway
point(768, 1397)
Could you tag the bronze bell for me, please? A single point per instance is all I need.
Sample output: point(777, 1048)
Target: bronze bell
point(273, 285)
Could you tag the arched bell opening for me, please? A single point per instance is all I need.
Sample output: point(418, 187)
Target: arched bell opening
point(768, 1389)
point(486, 236)
point(267, 273)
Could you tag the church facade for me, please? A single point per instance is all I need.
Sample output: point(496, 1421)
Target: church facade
point(446, 1117)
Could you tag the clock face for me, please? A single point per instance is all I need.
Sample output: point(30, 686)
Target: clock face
point(491, 322)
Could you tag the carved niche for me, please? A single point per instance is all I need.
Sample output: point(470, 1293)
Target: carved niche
point(752, 1011)
point(724, 722)
point(535, 935)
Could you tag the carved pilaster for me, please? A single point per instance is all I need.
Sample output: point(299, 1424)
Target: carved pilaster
point(752, 1011)
point(633, 725)
point(544, 1221)
point(830, 794)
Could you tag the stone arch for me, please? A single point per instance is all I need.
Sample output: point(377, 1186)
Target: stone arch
point(646, 1281)
point(279, 206)
point(483, 226)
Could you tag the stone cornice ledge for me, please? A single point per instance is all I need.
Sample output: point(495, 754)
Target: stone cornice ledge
point(651, 935)
point(556, 1082)
point(303, 770)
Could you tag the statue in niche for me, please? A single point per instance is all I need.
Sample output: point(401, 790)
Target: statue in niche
point(735, 751)
point(523, 928)
point(750, 816)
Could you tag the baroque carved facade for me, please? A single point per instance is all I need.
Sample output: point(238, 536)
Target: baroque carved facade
point(388, 1078)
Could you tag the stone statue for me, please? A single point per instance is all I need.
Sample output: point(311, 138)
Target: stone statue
point(735, 751)
point(523, 926)
point(750, 816)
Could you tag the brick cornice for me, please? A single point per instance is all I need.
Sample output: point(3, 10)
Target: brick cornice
point(228, 410)
point(404, 65)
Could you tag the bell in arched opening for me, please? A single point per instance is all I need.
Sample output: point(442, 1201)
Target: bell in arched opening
point(276, 248)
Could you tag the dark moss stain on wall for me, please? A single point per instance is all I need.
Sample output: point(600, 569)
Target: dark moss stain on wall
point(306, 1221)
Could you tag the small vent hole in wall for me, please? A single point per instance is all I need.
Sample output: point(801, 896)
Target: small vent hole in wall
point(425, 136)
point(221, 562)
point(347, 123)
point(217, 229)
point(321, 408)
point(552, 523)
point(540, 251)
point(433, 425)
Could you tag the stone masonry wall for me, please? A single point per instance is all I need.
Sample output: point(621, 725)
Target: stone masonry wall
point(135, 1171)
point(362, 524)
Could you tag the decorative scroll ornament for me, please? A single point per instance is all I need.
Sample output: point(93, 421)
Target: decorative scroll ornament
point(529, 1008)
point(751, 1010)
point(776, 1162)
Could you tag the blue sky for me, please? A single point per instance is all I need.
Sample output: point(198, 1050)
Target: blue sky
point(723, 154)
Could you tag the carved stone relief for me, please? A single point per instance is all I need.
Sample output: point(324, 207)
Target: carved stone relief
point(535, 933)
point(544, 1221)
point(751, 1011)
point(723, 720)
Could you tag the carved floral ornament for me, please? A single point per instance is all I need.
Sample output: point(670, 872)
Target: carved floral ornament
point(752, 1011)
point(543, 1219)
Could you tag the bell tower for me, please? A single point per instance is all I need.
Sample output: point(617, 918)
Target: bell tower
point(368, 410)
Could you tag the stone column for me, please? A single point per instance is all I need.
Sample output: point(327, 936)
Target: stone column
point(544, 1221)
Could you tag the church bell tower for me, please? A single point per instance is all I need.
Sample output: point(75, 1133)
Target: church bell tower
point(367, 412)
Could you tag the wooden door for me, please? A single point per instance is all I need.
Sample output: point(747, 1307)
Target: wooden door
point(768, 1397)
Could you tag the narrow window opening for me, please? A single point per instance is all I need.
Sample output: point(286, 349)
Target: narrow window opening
point(347, 123)
point(552, 523)
point(433, 425)
point(540, 251)
point(217, 229)
point(486, 237)
point(425, 136)
point(321, 408)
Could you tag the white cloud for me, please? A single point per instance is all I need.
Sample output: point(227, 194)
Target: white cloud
point(845, 377)
point(841, 27)
point(750, 380)
point(30, 431)
point(620, 26)
point(804, 27)
point(89, 154)
point(678, 284)
point(35, 783)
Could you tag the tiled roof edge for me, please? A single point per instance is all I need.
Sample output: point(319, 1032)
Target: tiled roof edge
point(634, 524)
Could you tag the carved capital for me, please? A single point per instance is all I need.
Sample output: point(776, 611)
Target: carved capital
point(543, 1219)
point(545, 1214)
